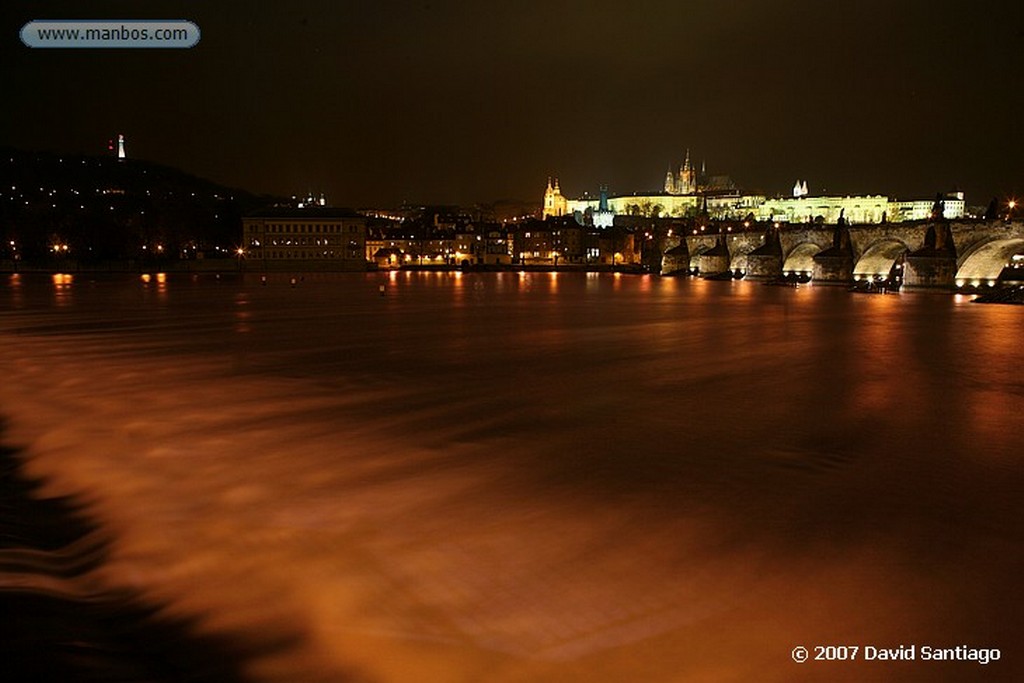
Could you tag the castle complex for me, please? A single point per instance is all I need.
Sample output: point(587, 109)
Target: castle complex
point(691, 193)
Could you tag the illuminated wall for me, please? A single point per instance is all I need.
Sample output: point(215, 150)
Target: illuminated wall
point(922, 210)
point(859, 209)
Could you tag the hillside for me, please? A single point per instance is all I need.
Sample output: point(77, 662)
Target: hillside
point(97, 208)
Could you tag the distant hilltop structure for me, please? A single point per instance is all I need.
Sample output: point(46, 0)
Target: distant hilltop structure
point(118, 149)
point(310, 201)
point(690, 193)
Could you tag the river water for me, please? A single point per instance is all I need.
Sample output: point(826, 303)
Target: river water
point(538, 477)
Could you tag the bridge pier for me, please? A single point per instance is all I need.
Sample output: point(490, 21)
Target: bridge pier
point(716, 260)
point(834, 266)
point(934, 265)
point(764, 266)
point(676, 260)
point(832, 270)
point(929, 273)
point(765, 262)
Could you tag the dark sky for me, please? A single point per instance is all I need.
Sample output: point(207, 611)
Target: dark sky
point(455, 102)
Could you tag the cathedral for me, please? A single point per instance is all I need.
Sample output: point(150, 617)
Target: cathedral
point(689, 181)
point(686, 181)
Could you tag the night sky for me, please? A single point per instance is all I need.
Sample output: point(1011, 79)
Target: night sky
point(376, 103)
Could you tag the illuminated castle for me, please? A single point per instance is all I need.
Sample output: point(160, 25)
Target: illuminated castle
point(692, 194)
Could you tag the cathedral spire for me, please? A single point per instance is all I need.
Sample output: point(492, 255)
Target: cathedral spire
point(687, 183)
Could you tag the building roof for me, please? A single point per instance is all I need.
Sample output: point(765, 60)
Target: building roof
point(312, 212)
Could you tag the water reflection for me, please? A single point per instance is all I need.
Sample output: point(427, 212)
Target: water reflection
point(15, 286)
point(62, 289)
point(644, 284)
point(553, 282)
point(456, 281)
point(243, 315)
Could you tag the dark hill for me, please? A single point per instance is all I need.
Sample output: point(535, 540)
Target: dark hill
point(102, 208)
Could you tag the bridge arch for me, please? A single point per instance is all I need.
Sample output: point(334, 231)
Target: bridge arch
point(878, 260)
point(801, 258)
point(985, 261)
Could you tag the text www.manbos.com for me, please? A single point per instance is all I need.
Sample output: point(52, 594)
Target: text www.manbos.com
point(119, 34)
point(99, 34)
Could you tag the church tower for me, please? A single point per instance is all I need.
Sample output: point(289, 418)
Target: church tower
point(604, 217)
point(554, 203)
point(670, 182)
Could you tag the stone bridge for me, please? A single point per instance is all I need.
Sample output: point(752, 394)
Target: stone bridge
point(923, 254)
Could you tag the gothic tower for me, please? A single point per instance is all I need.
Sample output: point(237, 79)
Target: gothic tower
point(687, 177)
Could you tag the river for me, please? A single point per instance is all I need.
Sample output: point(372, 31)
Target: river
point(538, 477)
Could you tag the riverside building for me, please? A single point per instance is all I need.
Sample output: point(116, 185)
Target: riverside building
point(314, 238)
